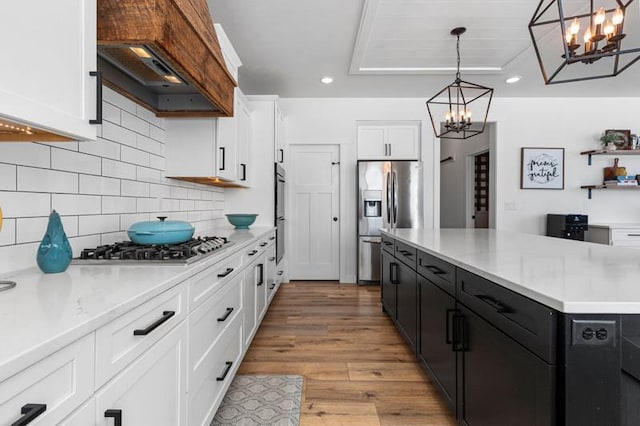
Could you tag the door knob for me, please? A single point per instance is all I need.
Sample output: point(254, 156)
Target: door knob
point(335, 219)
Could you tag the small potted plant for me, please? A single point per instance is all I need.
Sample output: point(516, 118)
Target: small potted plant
point(608, 140)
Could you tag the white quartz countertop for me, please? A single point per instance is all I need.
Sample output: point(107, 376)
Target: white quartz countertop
point(45, 312)
point(615, 225)
point(569, 276)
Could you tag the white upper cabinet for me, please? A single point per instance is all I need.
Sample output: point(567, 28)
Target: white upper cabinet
point(211, 150)
point(389, 140)
point(48, 52)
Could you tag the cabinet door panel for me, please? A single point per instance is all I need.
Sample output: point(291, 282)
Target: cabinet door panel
point(436, 351)
point(249, 303)
point(407, 304)
point(388, 283)
point(371, 142)
point(51, 88)
point(152, 390)
point(503, 383)
point(403, 142)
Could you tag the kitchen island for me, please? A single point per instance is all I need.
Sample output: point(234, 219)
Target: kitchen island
point(111, 340)
point(517, 328)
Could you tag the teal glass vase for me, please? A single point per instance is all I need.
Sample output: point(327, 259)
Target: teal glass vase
point(54, 253)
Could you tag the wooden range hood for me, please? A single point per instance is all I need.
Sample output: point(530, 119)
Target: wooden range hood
point(175, 68)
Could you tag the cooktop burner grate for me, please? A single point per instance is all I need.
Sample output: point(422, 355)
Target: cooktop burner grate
point(127, 251)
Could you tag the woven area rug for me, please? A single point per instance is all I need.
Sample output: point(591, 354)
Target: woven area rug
point(261, 400)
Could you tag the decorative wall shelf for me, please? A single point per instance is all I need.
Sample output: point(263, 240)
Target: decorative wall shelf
point(609, 152)
point(615, 188)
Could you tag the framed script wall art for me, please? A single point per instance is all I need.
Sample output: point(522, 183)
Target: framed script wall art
point(542, 168)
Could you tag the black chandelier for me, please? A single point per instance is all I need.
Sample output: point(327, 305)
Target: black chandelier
point(583, 42)
point(453, 103)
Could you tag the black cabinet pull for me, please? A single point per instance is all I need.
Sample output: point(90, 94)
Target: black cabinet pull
point(499, 307)
point(263, 244)
point(280, 272)
point(222, 162)
point(116, 415)
point(435, 270)
point(281, 160)
point(252, 252)
point(272, 238)
point(98, 76)
point(455, 341)
point(226, 315)
point(29, 413)
point(272, 286)
point(244, 171)
point(227, 368)
point(165, 317)
point(261, 279)
point(393, 273)
point(271, 259)
point(448, 340)
point(225, 273)
point(405, 252)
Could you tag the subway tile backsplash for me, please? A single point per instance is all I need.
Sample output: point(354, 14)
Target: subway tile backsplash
point(99, 188)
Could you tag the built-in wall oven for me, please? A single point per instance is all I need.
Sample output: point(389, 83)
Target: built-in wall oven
point(279, 211)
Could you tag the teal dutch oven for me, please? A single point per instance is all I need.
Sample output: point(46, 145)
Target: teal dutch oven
point(160, 231)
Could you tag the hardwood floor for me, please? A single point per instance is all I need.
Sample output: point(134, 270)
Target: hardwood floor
point(357, 369)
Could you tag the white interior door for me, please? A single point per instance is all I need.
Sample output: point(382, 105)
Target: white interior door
point(314, 179)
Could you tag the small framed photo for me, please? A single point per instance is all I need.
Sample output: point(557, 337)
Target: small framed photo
point(542, 168)
point(623, 140)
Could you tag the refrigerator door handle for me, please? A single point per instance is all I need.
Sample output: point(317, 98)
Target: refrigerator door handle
point(389, 198)
point(395, 199)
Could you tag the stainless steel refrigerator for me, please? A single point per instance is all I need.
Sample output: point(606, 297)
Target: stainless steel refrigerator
point(389, 196)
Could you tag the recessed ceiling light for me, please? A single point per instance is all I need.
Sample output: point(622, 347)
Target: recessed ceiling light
point(514, 79)
point(327, 80)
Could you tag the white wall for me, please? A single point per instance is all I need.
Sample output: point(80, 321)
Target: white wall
point(99, 188)
point(572, 123)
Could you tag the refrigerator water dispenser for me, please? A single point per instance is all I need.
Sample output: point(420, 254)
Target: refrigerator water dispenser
point(372, 208)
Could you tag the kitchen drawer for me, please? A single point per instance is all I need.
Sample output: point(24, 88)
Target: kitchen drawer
point(207, 282)
point(83, 416)
point(387, 244)
point(629, 238)
point(209, 380)
point(530, 323)
point(116, 343)
point(439, 272)
point(210, 319)
point(406, 254)
point(62, 381)
point(254, 251)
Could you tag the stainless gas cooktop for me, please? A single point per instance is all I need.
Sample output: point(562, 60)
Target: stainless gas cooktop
point(126, 252)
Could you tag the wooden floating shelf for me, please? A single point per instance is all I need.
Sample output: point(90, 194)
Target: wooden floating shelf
point(608, 152)
point(614, 188)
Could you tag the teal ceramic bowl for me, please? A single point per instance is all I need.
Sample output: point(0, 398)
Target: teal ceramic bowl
point(241, 220)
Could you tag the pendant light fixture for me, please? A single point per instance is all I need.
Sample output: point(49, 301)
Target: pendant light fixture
point(454, 104)
point(577, 41)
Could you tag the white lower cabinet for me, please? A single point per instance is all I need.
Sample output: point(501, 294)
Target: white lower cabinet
point(50, 389)
point(83, 416)
point(166, 362)
point(150, 391)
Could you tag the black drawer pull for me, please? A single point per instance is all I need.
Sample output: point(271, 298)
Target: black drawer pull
point(116, 415)
point(387, 243)
point(244, 171)
point(271, 259)
point(393, 271)
point(225, 273)
point(165, 317)
point(263, 244)
point(29, 413)
point(272, 286)
point(98, 76)
point(227, 368)
point(406, 253)
point(499, 307)
point(280, 272)
point(261, 276)
point(272, 238)
point(435, 270)
point(252, 252)
point(633, 235)
point(222, 149)
point(226, 315)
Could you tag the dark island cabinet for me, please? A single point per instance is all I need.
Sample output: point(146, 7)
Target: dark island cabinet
point(436, 350)
point(407, 304)
point(389, 280)
point(501, 382)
